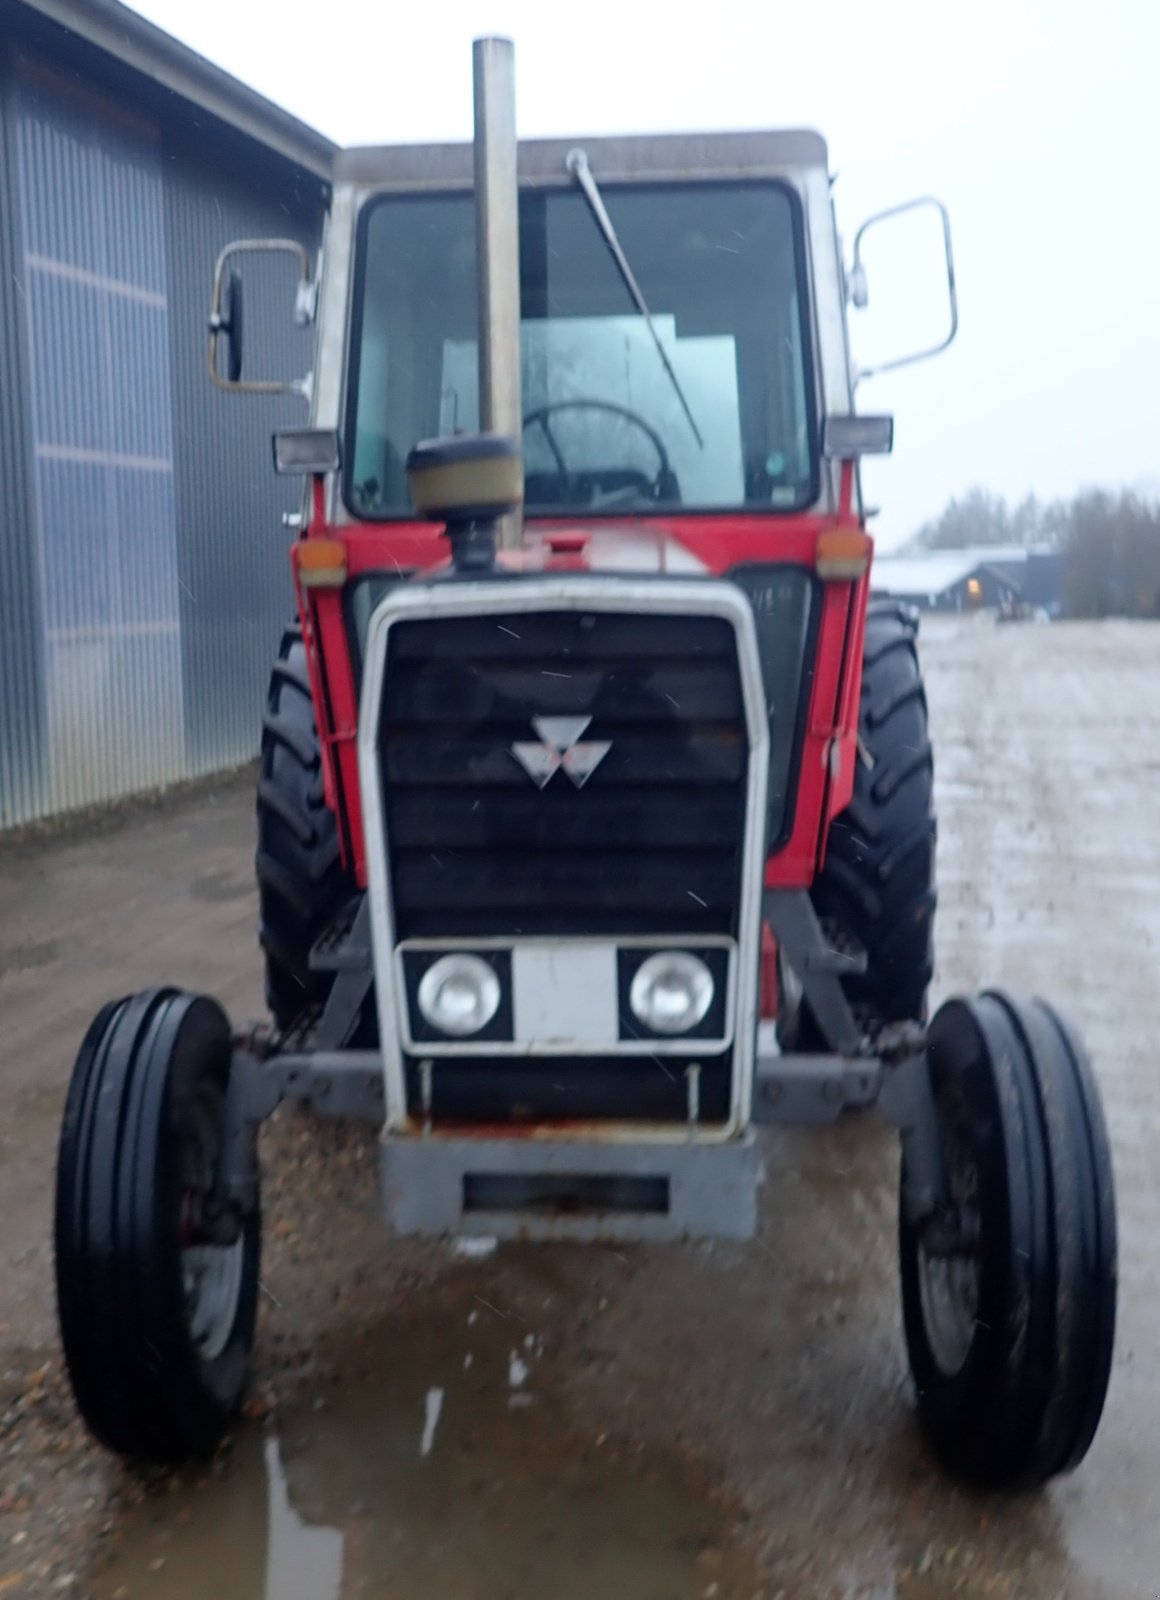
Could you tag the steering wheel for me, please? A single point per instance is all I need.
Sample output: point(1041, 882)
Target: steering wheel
point(663, 486)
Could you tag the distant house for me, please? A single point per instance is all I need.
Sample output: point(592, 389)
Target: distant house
point(973, 579)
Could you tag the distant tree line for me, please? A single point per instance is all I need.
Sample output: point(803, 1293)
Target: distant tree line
point(981, 517)
point(1110, 544)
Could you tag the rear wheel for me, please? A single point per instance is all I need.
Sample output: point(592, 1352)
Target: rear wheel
point(157, 1318)
point(302, 884)
point(1010, 1335)
point(875, 896)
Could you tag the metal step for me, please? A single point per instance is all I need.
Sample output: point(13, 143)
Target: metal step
point(337, 950)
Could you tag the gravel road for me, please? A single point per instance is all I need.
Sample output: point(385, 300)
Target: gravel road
point(705, 1421)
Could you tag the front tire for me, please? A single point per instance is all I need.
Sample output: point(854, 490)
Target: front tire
point(157, 1323)
point(1010, 1339)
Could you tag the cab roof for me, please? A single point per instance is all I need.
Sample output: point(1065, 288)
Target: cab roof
point(667, 157)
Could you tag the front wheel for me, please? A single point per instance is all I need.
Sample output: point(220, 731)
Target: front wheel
point(156, 1315)
point(1010, 1334)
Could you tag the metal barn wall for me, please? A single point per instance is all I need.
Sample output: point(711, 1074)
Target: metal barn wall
point(92, 220)
point(235, 592)
point(143, 568)
point(21, 676)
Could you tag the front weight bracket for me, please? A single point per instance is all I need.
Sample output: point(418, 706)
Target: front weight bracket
point(906, 1100)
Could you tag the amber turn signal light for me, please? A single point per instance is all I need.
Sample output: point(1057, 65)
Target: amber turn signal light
point(321, 563)
point(842, 553)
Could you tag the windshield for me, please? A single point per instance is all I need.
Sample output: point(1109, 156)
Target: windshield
point(605, 428)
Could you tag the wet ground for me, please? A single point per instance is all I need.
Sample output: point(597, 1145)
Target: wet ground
point(688, 1421)
point(451, 1468)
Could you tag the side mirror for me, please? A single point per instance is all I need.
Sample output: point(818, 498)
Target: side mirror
point(231, 324)
point(226, 321)
point(858, 287)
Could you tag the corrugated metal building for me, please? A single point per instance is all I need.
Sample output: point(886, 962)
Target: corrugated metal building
point(143, 572)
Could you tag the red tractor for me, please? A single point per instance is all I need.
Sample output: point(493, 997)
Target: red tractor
point(595, 811)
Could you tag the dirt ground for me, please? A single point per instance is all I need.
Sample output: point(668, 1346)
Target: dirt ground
point(706, 1421)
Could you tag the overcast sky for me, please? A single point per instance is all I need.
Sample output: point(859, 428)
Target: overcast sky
point(1037, 121)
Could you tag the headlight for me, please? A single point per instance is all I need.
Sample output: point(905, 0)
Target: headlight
point(459, 995)
point(671, 992)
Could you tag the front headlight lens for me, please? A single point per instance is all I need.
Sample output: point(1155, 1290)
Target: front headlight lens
point(671, 992)
point(459, 995)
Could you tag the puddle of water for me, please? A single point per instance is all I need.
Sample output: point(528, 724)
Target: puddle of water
point(414, 1474)
point(434, 1407)
point(300, 1559)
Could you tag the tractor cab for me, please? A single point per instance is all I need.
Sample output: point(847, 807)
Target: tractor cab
point(705, 402)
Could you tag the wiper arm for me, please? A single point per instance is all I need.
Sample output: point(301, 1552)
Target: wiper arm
point(582, 172)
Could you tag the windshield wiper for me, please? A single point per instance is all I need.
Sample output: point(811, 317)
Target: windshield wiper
point(582, 172)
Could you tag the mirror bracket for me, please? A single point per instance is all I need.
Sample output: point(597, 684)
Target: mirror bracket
point(225, 317)
point(857, 288)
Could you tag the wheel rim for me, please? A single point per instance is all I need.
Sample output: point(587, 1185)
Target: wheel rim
point(211, 1278)
point(949, 1284)
point(211, 1274)
point(949, 1290)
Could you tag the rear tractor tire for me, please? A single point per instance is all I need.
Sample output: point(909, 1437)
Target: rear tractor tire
point(156, 1318)
point(1010, 1336)
point(302, 884)
point(875, 895)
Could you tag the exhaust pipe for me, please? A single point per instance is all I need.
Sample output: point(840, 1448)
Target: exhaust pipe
point(497, 248)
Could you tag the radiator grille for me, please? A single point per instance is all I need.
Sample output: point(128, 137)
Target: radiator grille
point(652, 840)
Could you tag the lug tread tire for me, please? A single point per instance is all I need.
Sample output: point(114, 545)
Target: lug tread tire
point(877, 886)
point(302, 884)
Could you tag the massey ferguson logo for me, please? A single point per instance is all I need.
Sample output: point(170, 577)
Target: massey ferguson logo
point(560, 746)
